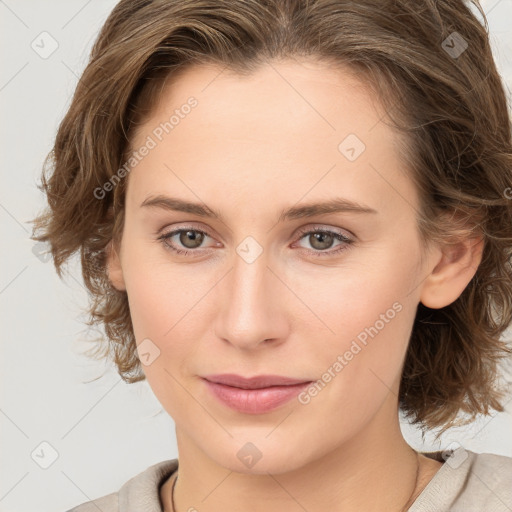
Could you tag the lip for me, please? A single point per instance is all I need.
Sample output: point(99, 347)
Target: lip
point(257, 382)
point(258, 395)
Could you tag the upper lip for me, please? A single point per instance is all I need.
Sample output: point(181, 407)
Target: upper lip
point(257, 382)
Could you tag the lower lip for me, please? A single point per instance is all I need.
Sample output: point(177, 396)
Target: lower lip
point(255, 401)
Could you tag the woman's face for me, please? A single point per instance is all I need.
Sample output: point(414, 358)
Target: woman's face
point(259, 293)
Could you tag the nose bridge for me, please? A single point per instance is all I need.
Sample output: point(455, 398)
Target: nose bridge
point(250, 310)
point(249, 289)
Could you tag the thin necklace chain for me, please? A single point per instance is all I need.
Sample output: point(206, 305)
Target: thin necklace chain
point(172, 494)
point(404, 509)
point(408, 503)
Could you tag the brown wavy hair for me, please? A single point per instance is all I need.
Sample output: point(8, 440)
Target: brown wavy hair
point(452, 110)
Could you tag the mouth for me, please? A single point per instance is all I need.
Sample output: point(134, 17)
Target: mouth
point(256, 395)
point(257, 382)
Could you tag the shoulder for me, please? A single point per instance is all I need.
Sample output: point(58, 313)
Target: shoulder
point(469, 482)
point(141, 492)
point(107, 503)
point(491, 474)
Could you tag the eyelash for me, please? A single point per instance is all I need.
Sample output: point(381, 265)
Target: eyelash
point(302, 233)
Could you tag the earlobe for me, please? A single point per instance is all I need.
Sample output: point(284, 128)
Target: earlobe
point(114, 269)
point(452, 274)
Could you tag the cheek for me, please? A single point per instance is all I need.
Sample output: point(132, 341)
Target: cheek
point(156, 288)
point(369, 310)
point(351, 300)
point(158, 312)
point(165, 306)
point(359, 366)
point(150, 306)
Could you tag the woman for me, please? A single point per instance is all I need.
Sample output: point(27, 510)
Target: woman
point(295, 220)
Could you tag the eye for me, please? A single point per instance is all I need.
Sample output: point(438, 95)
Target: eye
point(191, 238)
point(321, 239)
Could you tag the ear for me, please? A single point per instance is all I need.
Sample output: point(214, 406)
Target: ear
point(453, 272)
point(114, 269)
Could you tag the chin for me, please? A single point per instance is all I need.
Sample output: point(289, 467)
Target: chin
point(257, 457)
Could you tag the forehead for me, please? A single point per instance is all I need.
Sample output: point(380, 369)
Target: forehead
point(289, 125)
point(283, 93)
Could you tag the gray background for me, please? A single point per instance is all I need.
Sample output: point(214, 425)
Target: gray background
point(100, 430)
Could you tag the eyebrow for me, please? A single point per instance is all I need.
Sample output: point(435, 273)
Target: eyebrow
point(335, 205)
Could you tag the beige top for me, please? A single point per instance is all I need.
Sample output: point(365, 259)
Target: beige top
point(466, 482)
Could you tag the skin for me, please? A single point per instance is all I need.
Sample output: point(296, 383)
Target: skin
point(252, 147)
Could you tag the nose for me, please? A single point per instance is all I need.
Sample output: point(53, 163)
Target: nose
point(252, 305)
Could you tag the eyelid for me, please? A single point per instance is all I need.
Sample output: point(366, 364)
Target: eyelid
point(323, 227)
point(299, 231)
point(166, 234)
point(298, 236)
